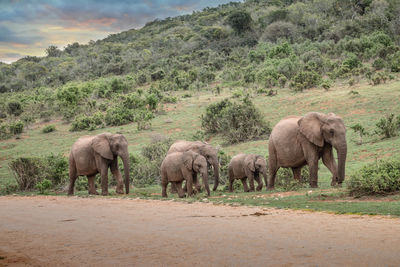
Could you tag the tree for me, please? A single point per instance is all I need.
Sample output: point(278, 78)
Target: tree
point(53, 51)
point(240, 21)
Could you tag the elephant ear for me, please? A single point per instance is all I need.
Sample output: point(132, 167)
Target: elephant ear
point(249, 162)
point(310, 126)
point(101, 145)
point(188, 160)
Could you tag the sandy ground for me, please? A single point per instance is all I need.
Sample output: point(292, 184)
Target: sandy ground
point(62, 231)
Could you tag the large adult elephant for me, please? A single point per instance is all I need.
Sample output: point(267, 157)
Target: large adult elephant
point(204, 149)
point(297, 141)
point(95, 154)
point(179, 166)
point(247, 166)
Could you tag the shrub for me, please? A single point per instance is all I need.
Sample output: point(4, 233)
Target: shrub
point(16, 127)
point(26, 172)
point(358, 128)
point(14, 108)
point(30, 171)
point(388, 126)
point(236, 122)
point(224, 160)
point(286, 182)
point(43, 186)
point(375, 178)
point(49, 129)
point(119, 116)
point(305, 80)
point(145, 168)
point(379, 63)
point(83, 122)
point(240, 21)
point(395, 63)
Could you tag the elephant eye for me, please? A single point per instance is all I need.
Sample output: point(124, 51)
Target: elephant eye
point(331, 131)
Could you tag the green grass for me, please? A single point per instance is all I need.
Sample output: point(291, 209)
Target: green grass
point(182, 120)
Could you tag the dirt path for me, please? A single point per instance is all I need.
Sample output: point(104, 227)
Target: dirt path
point(61, 231)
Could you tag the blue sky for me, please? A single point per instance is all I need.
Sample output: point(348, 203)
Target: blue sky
point(28, 27)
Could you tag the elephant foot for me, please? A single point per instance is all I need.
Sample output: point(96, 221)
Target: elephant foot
point(314, 185)
point(93, 193)
point(182, 196)
point(270, 188)
point(120, 191)
point(104, 193)
point(259, 189)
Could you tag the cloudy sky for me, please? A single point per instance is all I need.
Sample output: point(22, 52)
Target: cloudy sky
point(28, 27)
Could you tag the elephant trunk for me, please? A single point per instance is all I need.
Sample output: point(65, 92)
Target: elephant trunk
point(205, 181)
point(125, 161)
point(216, 174)
point(342, 154)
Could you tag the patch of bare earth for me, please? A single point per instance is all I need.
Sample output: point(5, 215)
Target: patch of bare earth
point(62, 231)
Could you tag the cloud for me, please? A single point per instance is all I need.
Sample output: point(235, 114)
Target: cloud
point(22, 37)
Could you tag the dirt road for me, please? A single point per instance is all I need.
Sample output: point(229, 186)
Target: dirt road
point(62, 231)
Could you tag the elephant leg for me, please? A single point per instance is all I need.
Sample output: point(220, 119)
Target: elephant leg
point(231, 179)
point(189, 186)
point(92, 187)
point(330, 163)
point(244, 182)
point(173, 188)
point(72, 176)
point(296, 173)
point(104, 180)
point(196, 182)
point(117, 176)
point(178, 185)
point(164, 189)
point(273, 168)
point(259, 182)
point(313, 165)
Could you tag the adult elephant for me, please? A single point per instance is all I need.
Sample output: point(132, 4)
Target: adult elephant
point(247, 166)
point(179, 166)
point(296, 141)
point(95, 154)
point(204, 149)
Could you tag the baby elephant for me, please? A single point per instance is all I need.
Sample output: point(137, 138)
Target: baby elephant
point(179, 166)
point(243, 166)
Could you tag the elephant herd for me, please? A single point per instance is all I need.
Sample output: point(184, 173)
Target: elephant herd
point(294, 142)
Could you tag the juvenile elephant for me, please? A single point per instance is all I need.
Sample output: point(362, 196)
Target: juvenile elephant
point(180, 166)
point(247, 166)
point(296, 141)
point(204, 149)
point(95, 154)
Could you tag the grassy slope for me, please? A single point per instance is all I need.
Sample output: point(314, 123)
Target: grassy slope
point(181, 120)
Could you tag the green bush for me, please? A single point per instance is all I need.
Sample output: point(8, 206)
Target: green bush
point(236, 122)
point(305, 80)
point(388, 126)
point(119, 116)
point(286, 182)
point(240, 21)
point(16, 127)
point(14, 108)
point(43, 186)
point(49, 129)
point(30, 171)
point(83, 122)
point(375, 178)
point(145, 168)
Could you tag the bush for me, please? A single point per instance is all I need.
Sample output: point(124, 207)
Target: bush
point(305, 80)
point(358, 128)
point(375, 178)
point(83, 122)
point(49, 129)
point(30, 171)
point(388, 126)
point(286, 182)
point(14, 108)
point(236, 122)
point(119, 116)
point(43, 186)
point(16, 127)
point(240, 21)
point(145, 168)
point(26, 172)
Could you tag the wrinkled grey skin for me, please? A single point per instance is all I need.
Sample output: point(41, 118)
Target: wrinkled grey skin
point(180, 166)
point(95, 154)
point(296, 141)
point(247, 166)
point(204, 149)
